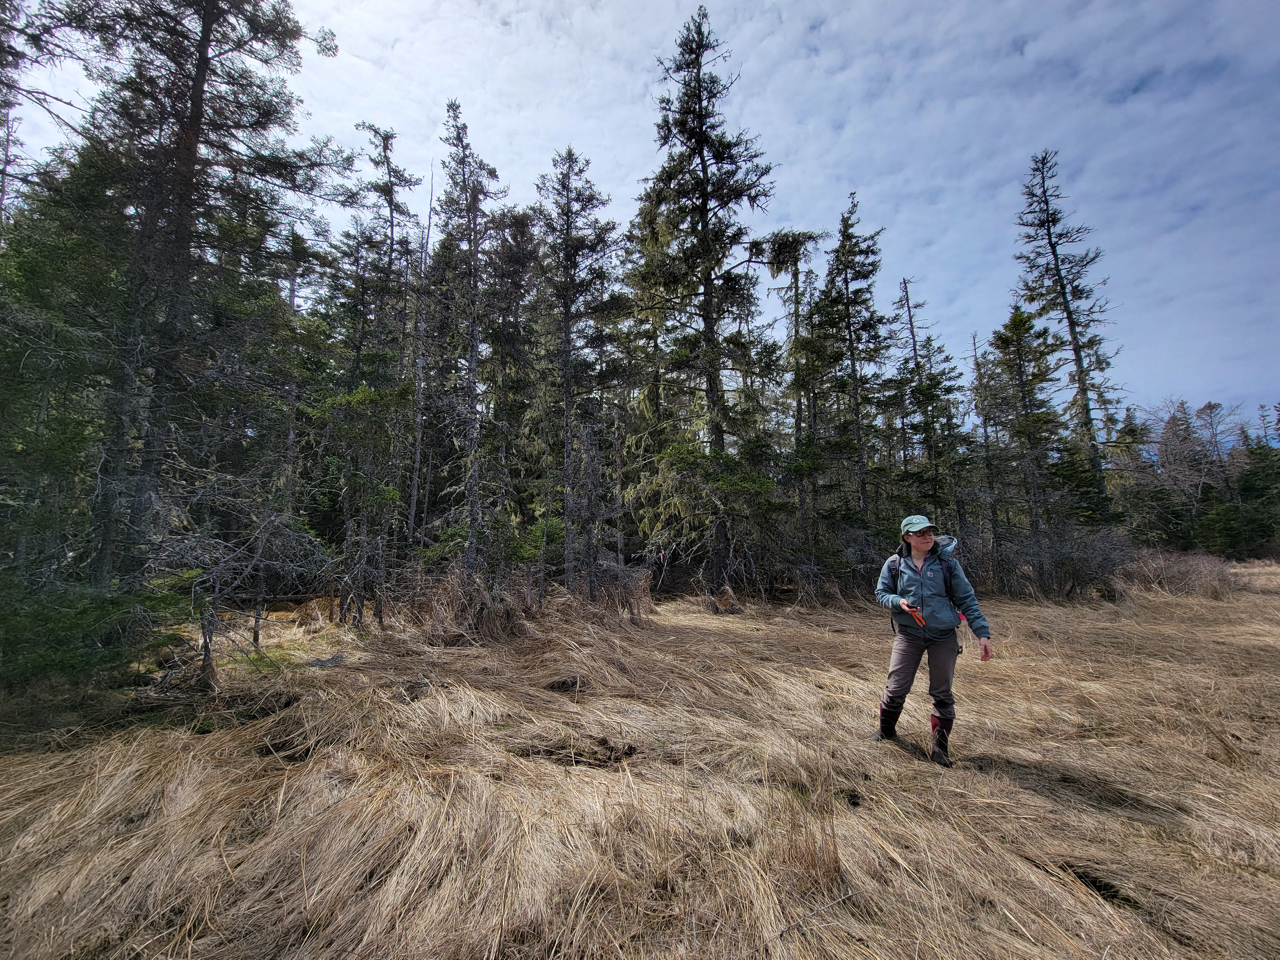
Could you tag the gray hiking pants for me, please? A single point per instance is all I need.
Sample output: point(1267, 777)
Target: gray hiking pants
point(907, 653)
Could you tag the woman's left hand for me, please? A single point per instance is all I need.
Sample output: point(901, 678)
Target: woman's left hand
point(984, 648)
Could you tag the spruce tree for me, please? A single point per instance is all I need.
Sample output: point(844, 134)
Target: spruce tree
point(695, 262)
point(848, 308)
point(1055, 281)
point(391, 224)
point(578, 271)
point(193, 109)
point(1023, 375)
point(466, 221)
point(62, 251)
point(808, 359)
point(927, 392)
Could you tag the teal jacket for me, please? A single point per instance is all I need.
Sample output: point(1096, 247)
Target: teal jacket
point(926, 589)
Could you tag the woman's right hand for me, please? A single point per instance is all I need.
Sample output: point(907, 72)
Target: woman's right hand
point(906, 607)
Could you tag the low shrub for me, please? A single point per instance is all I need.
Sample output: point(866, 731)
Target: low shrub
point(1180, 574)
point(1067, 563)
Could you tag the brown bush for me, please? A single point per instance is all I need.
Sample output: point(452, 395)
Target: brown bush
point(1180, 574)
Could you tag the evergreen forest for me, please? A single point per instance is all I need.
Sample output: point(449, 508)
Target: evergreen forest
point(240, 369)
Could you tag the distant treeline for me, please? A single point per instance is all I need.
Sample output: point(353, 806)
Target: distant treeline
point(208, 395)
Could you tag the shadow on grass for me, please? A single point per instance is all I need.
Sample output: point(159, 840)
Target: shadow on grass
point(55, 720)
point(1065, 784)
point(908, 746)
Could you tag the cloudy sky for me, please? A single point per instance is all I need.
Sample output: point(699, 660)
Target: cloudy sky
point(1165, 113)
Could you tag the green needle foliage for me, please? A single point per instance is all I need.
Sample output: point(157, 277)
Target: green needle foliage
point(209, 398)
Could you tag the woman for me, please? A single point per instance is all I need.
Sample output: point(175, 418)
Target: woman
point(926, 591)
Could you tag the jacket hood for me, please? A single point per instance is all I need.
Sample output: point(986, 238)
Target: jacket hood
point(944, 546)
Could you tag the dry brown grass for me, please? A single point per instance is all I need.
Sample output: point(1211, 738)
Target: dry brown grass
point(696, 785)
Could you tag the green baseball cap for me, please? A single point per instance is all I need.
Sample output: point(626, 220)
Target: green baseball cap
point(916, 524)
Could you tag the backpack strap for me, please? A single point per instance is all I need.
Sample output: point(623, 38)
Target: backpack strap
point(895, 564)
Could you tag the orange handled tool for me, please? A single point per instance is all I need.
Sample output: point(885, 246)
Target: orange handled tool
point(915, 615)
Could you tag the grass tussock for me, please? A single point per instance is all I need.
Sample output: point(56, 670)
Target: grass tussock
point(564, 782)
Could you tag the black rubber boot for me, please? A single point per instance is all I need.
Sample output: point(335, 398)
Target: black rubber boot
point(888, 729)
point(941, 741)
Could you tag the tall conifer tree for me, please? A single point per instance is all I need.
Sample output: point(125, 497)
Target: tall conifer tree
point(578, 270)
point(466, 220)
point(1055, 281)
point(695, 265)
point(192, 114)
point(848, 304)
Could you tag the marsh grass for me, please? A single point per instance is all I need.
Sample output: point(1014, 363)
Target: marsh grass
point(569, 783)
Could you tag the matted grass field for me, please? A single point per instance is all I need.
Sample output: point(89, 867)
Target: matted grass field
point(690, 786)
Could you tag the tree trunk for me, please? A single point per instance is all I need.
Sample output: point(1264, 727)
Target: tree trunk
point(855, 383)
point(566, 369)
point(207, 679)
